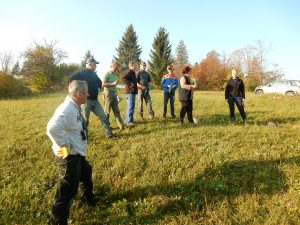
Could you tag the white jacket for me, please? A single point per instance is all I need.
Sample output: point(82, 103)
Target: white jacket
point(65, 128)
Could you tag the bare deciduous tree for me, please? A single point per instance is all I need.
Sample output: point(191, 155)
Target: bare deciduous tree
point(6, 59)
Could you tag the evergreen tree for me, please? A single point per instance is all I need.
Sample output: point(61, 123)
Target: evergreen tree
point(182, 57)
point(160, 56)
point(16, 69)
point(128, 50)
point(87, 55)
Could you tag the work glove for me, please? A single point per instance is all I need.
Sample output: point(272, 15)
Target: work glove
point(63, 152)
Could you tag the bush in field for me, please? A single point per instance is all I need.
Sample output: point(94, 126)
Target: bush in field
point(40, 65)
point(9, 86)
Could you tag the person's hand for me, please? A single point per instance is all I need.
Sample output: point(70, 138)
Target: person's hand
point(63, 152)
point(114, 83)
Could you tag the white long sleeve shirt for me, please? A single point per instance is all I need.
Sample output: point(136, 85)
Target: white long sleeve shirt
point(65, 128)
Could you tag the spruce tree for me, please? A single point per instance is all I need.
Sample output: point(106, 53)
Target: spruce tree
point(87, 55)
point(182, 57)
point(16, 69)
point(160, 56)
point(128, 50)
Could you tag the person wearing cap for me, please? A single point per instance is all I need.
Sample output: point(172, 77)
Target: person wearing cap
point(143, 84)
point(110, 94)
point(169, 84)
point(94, 84)
point(68, 135)
point(186, 88)
point(235, 94)
point(130, 90)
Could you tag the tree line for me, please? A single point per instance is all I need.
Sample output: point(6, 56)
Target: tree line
point(42, 68)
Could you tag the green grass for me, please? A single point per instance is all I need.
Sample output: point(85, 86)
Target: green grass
point(158, 172)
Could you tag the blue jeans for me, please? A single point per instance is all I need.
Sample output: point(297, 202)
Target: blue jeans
point(130, 98)
point(96, 108)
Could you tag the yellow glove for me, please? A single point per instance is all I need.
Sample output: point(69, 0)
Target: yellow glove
point(63, 152)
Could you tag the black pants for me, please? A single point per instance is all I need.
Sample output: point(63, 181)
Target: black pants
point(168, 96)
point(240, 106)
point(72, 170)
point(187, 107)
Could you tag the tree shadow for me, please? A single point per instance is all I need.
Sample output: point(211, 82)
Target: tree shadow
point(216, 184)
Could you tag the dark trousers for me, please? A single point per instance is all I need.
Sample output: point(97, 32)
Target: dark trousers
point(168, 96)
point(72, 170)
point(240, 106)
point(187, 107)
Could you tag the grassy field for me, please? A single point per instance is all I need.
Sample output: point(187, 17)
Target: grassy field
point(159, 172)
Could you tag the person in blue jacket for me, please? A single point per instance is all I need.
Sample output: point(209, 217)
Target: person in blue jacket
point(169, 84)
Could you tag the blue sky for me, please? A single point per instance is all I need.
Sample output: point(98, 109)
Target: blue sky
point(98, 26)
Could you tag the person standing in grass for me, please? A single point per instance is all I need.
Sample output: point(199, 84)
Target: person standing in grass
point(131, 91)
point(169, 84)
point(110, 94)
point(186, 89)
point(235, 94)
point(68, 134)
point(94, 83)
point(143, 84)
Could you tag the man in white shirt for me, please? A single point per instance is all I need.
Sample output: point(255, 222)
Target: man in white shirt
point(69, 143)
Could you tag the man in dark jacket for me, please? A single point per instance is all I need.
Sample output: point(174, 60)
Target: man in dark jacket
point(94, 84)
point(143, 84)
point(235, 94)
point(130, 91)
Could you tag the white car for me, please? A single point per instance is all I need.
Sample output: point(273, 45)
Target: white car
point(285, 87)
point(297, 82)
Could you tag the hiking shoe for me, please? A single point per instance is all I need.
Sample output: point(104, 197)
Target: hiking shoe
point(173, 116)
point(112, 136)
point(130, 124)
point(91, 201)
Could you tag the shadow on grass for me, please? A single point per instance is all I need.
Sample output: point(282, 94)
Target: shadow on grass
point(225, 182)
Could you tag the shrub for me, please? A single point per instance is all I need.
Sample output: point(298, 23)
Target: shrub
point(9, 86)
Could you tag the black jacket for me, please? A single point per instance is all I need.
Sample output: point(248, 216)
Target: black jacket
point(92, 79)
point(235, 88)
point(130, 82)
point(184, 94)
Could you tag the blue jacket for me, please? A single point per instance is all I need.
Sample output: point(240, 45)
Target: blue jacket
point(169, 79)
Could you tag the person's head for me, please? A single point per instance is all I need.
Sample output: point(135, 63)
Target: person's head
point(113, 66)
point(78, 91)
point(187, 70)
point(170, 69)
point(233, 74)
point(132, 65)
point(143, 66)
point(91, 64)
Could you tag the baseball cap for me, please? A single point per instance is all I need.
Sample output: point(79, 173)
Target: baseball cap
point(91, 60)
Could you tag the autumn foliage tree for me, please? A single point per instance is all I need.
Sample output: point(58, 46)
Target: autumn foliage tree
point(210, 72)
